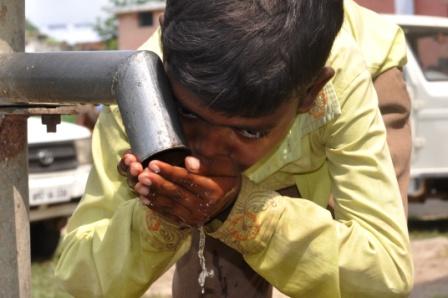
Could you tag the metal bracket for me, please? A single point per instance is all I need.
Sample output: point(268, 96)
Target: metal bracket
point(51, 115)
point(51, 121)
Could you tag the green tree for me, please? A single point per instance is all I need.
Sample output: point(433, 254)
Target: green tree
point(107, 28)
point(31, 28)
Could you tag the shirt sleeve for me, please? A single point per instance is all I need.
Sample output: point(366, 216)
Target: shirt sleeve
point(299, 247)
point(115, 246)
point(381, 42)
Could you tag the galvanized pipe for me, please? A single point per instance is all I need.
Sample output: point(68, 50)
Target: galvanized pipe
point(15, 260)
point(61, 77)
point(135, 79)
point(148, 110)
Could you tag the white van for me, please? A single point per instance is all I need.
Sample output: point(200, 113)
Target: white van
point(58, 166)
point(427, 78)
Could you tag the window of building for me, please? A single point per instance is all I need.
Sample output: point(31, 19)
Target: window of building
point(430, 46)
point(145, 19)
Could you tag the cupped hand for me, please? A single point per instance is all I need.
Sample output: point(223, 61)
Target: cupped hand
point(189, 196)
point(130, 167)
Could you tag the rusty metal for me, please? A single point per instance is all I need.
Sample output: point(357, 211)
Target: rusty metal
point(51, 121)
point(15, 276)
point(32, 110)
point(15, 259)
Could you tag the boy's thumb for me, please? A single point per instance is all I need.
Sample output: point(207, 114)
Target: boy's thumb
point(193, 164)
point(210, 167)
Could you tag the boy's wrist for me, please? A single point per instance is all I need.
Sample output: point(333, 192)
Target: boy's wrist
point(222, 216)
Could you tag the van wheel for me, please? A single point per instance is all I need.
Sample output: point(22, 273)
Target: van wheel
point(45, 237)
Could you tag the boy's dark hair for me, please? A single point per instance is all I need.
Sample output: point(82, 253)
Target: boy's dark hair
point(247, 57)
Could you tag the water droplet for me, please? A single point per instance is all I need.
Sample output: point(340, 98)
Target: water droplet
point(204, 272)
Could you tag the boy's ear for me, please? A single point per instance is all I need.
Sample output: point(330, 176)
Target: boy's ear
point(307, 102)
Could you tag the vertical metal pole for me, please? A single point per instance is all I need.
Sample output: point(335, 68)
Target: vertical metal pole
point(15, 272)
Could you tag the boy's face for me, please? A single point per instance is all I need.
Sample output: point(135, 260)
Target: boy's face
point(233, 143)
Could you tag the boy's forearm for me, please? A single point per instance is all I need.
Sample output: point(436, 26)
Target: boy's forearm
point(295, 240)
point(115, 247)
point(395, 107)
point(121, 256)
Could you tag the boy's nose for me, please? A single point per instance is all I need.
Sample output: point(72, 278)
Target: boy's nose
point(211, 141)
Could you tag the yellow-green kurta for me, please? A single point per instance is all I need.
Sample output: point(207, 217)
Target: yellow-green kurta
point(116, 247)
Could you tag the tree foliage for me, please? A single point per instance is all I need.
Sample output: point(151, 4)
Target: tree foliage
point(30, 27)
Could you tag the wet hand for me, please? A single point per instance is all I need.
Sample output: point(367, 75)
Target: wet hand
point(189, 196)
point(130, 167)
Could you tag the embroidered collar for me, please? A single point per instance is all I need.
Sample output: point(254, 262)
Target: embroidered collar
point(325, 108)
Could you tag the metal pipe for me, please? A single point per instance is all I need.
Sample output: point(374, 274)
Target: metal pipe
point(148, 110)
point(135, 79)
point(60, 77)
point(15, 260)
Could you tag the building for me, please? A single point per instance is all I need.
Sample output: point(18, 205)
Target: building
point(136, 23)
point(419, 7)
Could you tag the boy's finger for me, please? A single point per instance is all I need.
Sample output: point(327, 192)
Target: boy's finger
point(193, 183)
point(126, 160)
point(122, 168)
point(215, 167)
point(132, 181)
point(141, 189)
point(199, 187)
point(197, 207)
point(135, 169)
point(176, 193)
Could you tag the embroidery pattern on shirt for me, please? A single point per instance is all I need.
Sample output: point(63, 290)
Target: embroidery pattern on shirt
point(319, 107)
point(161, 235)
point(291, 149)
point(242, 230)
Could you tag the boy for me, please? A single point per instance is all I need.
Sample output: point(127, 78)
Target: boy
point(261, 112)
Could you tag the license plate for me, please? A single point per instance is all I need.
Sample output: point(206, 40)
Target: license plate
point(49, 195)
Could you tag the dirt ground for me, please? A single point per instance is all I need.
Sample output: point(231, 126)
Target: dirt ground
point(431, 271)
point(431, 267)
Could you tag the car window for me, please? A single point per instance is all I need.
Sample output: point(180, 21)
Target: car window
point(430, 47)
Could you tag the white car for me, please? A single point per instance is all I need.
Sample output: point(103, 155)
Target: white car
point(58, 167)
point(426, 75)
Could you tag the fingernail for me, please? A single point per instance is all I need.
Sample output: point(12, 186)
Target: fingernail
point(192, 163)
point(145, 181)
point(154, 167)
point(144, 191)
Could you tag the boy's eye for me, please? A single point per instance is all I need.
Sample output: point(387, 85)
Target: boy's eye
point(187, 113)
point(253, 134)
